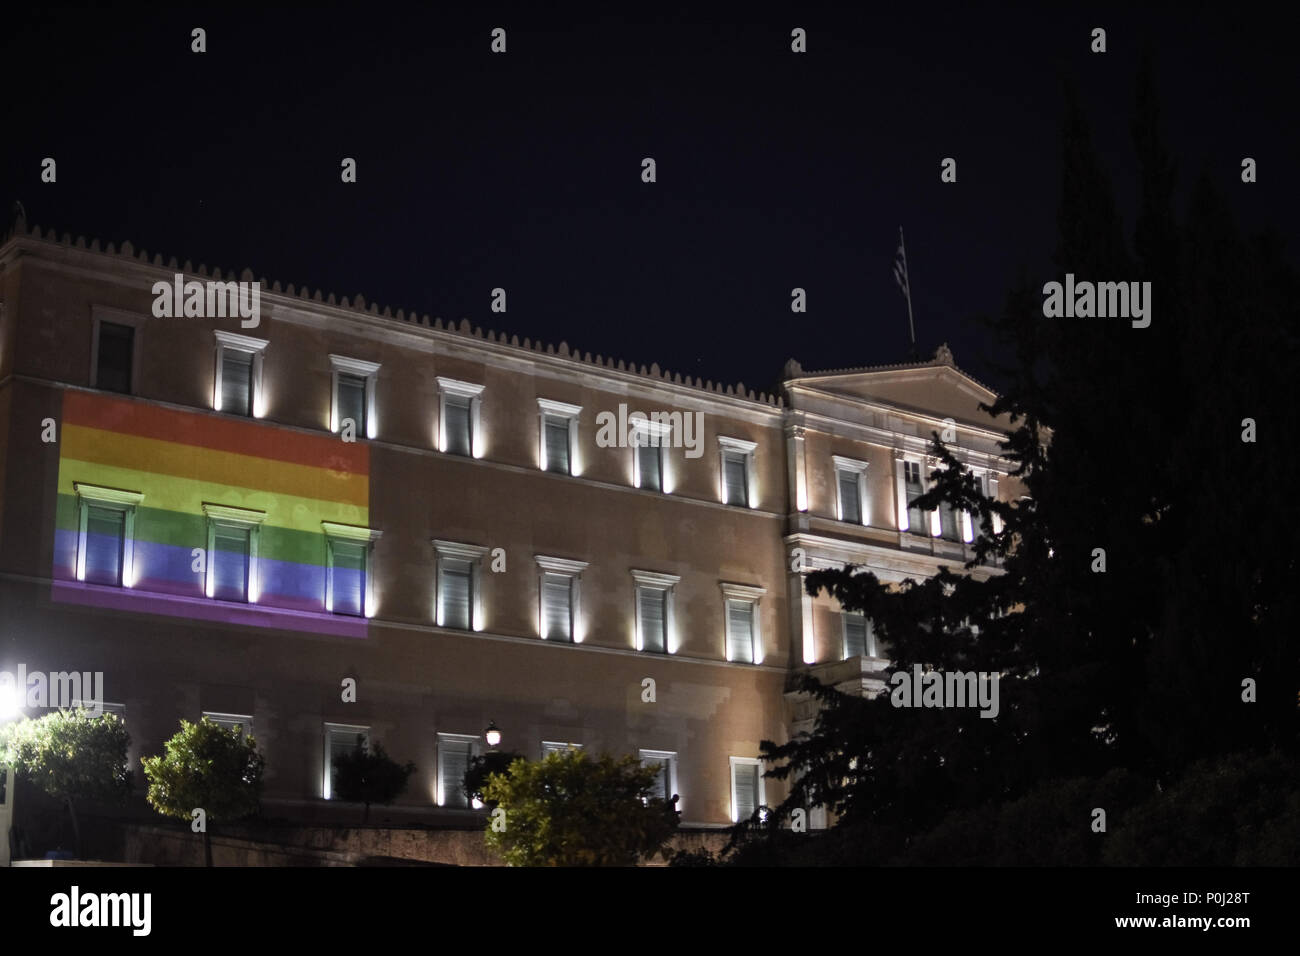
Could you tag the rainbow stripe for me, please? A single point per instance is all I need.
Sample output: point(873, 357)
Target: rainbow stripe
point(180, 460)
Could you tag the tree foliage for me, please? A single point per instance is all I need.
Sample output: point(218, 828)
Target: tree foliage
point(482, 766)
point(1128, 440)
point(370, 776)
point(71, 756)
point(571, 810)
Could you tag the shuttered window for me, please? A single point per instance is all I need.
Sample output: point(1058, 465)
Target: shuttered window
point(850, 500)
point(230, 562)
point(557, 607)
point(740, 631)
point(558, 747)
point(649, 463)
point(859, 636)
point(454, 754)
point(348, 577)
point(663, 782)
point(736, 491)
point(351, 401)
point(557, 444)
point(744, 782)
point(105, 544)
point(236, 382)
point(456, 421)
point(918, 521)
point(456, 586)
point(652, 606)
point(949, 525)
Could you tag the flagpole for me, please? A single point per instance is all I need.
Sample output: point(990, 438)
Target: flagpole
point(911, 325)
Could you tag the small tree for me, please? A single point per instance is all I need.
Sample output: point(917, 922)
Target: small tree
point(482, 767)
point(571, 810)
point(369, 777)
point(208, 767)
point(71, 756)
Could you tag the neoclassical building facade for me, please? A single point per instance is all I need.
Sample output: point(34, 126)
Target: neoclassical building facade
point(329, 522)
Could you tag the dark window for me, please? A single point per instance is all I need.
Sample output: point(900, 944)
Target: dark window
point(735, 478)
point(352, 402)
point(236, 382)
point(105, 535)
point(349, 578)
point(557, 444)
point(458, 425)
point(918, 521)
point(457, 593)
point(850, 505)
point(113, 364)
point(654, 619)
point(230, 561)
point(649, 466)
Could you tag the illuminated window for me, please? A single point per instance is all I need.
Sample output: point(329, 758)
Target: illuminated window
point(918, 521)
point(850, 486)
point(558, 591)
point(747, 790)
point(736, 461)
point(650, 439)
point(454, 754)
point(348, 579)
point(232, 552)
point(459, 598)
point(665, 762)
point(353, 383)
point(859, 635)
point(743, 636)
point(459, 416)
point(654, 611)
point(559, 436)
point(238, 388)
point(105, 542)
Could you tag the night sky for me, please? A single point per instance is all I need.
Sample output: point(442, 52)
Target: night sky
point(523, 170)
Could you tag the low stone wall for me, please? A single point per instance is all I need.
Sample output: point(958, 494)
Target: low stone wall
point(165, 845)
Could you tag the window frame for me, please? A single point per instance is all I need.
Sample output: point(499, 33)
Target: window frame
point(114, 499)
point(452, 388)
point(101, 314)
point(327, 781)
point(475, 750)
point(353, 534)
point(226, 516)
point(369, 371)
point(572, 570)
point(753, 597)
point(458, 551)
point(670, 756)
point(223, 720)
point(748, 450)
point(232, 342)
point(667, 585)
point(548, 408)
point(858, 469)
point(760, 795)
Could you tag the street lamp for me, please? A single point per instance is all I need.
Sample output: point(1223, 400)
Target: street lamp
point(492, 735)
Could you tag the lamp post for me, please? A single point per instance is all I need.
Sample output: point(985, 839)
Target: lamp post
point(492, 735)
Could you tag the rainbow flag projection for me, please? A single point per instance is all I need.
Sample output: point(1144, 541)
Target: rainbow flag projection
point(141, 487)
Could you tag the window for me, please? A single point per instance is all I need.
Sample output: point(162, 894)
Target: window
point(747, 791)
point(666, 763)
point(117, 710)
point(949, 525)
point(850, 486)
point(114, 357)
point(743, 641)
point(232, 552)
point(341, 739)
point(458, 425)
point(557, 747)
point(242, 722)
point(239, 375)
point(649, 439)
point(454, 753)
point(559, 436)
point(859, 636)
point(354, 396)
point(106, 526)
point(654, 611)
point(918, 521)
point(458, 602)
point(558, 617)
point(348, 581)
point(737, 472)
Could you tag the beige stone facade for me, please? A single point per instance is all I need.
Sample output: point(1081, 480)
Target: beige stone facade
point(675, 565)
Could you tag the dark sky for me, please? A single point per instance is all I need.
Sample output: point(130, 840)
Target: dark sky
point(522, 170)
